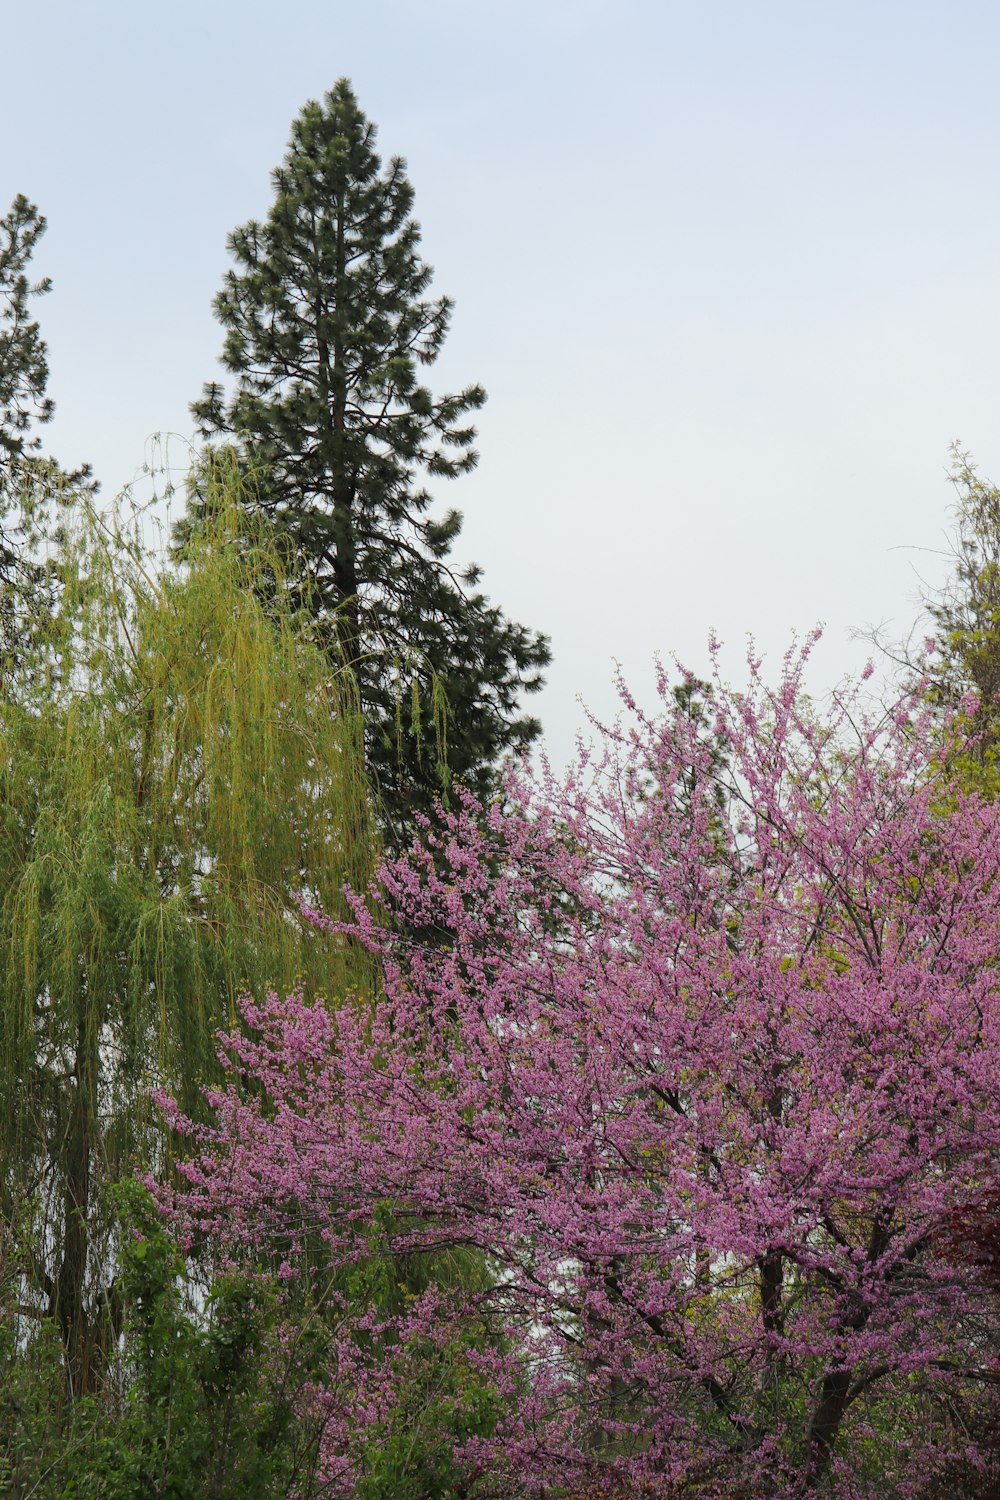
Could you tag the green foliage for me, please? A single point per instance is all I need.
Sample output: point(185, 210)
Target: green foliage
point(177, 768)
point(208, 1397)
point(444, 1395)
point(207, 1411)
point(326, 324)
point(966, 616)
point(200, 1404)
point(445, 1400)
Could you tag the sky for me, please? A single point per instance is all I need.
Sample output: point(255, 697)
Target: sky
point(729, 272)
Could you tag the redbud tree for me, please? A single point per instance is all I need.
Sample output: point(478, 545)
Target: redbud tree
point(696, 1047)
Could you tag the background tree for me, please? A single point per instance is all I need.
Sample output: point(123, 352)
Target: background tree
point(29, 483)
point(24, 368)
point(968, 609)
point(959, 658)
point(326, 324)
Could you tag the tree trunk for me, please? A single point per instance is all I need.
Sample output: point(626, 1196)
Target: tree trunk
point(70, 1281)
point(345, 565)
point(826, 1420)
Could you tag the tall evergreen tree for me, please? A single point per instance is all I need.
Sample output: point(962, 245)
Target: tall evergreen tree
point(24, 368)
point(326, 323)
point(28, 481)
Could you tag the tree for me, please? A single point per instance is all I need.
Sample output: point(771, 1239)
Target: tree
point(967, 611)
point(704, 1117)
point(28, 482)
point(24, 367)
point(326, 325)
point(173, 765)
point(959, 660)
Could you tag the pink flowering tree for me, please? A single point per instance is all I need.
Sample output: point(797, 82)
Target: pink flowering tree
point(697, 1048)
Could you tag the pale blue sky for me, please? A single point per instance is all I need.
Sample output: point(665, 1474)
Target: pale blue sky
point(730, 273)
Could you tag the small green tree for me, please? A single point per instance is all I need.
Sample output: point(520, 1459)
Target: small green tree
point(960, 655)
point(327, 323)
point(967, 611)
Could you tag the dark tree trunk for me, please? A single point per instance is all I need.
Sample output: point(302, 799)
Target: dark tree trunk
point(826, 1419)
point(70, 1306)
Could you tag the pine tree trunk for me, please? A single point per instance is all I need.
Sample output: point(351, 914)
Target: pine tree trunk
point(345, 565)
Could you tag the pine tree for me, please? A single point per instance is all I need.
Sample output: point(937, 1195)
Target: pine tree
point(29, 482)
point(24, 368)
point(326, 323)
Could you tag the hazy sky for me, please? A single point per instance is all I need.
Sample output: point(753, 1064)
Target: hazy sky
point(729, 271)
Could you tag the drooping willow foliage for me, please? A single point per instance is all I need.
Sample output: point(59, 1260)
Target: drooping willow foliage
point(177, 768)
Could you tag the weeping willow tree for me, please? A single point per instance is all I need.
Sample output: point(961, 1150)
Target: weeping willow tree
point(177, 768)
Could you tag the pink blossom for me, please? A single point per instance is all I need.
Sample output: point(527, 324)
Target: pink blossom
point(702, 1051)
